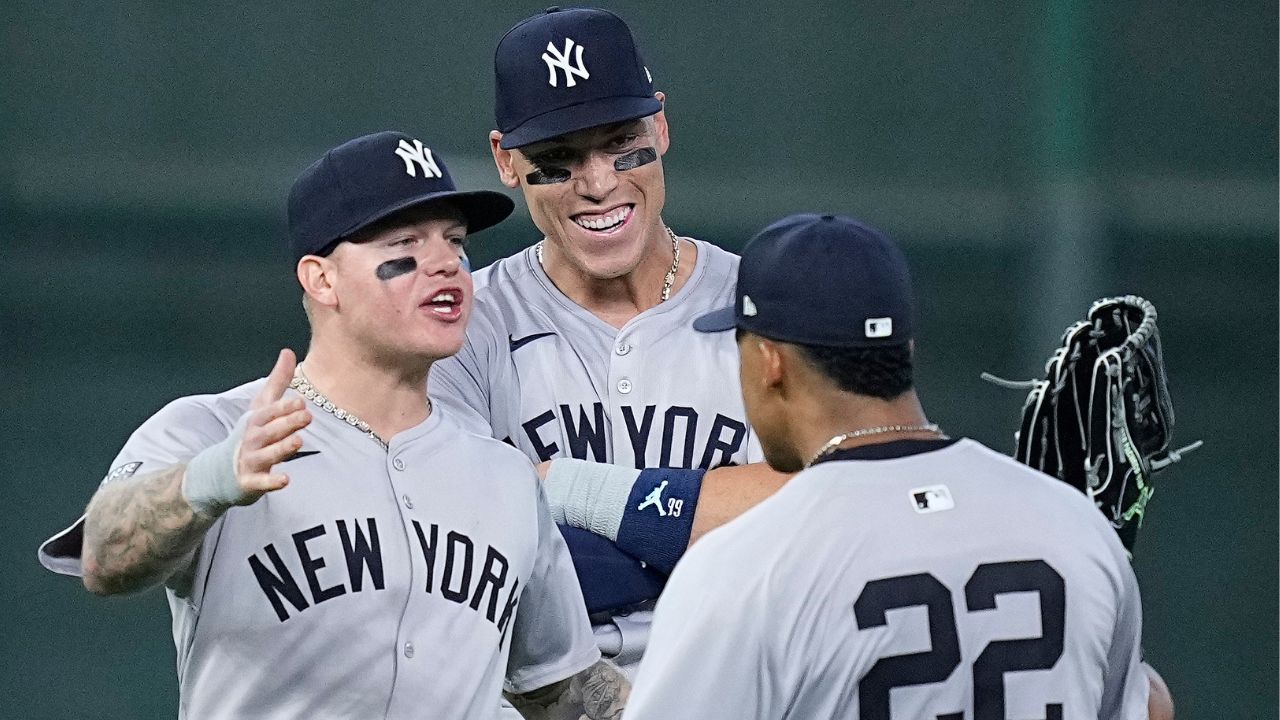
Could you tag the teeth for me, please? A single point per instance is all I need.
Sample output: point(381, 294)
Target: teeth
point(443, 297)
point(607, 222)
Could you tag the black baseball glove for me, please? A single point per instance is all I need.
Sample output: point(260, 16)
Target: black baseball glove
point(1102, 418)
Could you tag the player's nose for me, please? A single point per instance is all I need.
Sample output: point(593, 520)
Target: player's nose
point(441, 257)
point(596, 177)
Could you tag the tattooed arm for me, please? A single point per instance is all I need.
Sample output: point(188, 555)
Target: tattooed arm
point(597, 693)
point(139, 530)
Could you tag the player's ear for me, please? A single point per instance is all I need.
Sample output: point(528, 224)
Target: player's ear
point(660, 131)
point(773, 362)
point(502, 158)
point(316, 275)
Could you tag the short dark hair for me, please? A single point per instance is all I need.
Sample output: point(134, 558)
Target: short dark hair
point(881, 372)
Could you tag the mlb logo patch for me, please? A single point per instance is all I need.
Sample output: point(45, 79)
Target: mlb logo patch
point(934, 498)
point(122, 472)
point(878, 327)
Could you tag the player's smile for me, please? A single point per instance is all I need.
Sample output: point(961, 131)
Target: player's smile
point(605, 223)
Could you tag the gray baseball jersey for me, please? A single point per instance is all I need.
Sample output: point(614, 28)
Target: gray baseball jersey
point(407, 582)
point(912, 579)
point(544, 374)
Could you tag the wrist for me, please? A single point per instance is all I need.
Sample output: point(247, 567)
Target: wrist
point(209, 482)
point(589, 495)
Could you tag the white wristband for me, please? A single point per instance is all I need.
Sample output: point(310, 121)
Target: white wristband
point(209, 484)
point(589, 495)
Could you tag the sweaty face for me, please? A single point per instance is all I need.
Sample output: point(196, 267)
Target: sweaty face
point(404, 289)
point(765, 410)
point(597, 193)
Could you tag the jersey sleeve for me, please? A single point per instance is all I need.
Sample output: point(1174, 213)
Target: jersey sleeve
point(708, 652)
point(173, 435)
point(1126, 686)
point(551, 638)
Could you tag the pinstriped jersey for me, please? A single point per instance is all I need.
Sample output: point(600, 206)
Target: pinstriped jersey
point(905, 580)
point(547, 376)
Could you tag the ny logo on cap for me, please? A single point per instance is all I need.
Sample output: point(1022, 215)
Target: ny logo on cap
point(416, 154)
point(561, 60)
point(878, 327)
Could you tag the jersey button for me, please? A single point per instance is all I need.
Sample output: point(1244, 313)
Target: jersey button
point(407, 501)
point(622, 349)
point(624, 386)
point(408, 649)
point(397, 464)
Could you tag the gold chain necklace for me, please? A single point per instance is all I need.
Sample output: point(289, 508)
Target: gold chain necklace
point(834, 442)
point(304, 386)
point(667, 281)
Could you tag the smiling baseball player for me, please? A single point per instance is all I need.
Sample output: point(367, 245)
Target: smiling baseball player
point(580, 351)
point(332, 545)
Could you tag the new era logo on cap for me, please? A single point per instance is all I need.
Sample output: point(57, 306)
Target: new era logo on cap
point(749, 307)
point(878, 327)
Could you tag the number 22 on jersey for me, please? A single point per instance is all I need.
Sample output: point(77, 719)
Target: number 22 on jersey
point(937, 664)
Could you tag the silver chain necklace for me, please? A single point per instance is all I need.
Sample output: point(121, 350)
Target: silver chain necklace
point(667, 282)
point(834, 442)
point(304, 386)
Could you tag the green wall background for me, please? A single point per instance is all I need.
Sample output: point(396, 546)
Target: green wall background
point(1031, 156)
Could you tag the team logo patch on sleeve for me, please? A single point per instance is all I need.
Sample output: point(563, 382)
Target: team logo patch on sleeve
point(932, 499)
point(124, 471)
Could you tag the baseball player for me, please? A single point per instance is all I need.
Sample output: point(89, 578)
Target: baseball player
point(580, 350)
point(331, 545)
point(873, 585)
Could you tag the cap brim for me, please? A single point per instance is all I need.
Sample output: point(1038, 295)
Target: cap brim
point(573, 118)
point(716, 321)
point(482, 209)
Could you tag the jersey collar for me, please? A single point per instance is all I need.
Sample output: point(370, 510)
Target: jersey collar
point(887, 450)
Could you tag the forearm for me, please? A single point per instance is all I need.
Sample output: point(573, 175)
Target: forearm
point(727, 492)
point(597, 693)
point(654, 514)
point(137, 532)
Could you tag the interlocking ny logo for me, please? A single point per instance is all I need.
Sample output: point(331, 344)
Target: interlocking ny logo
point(556, 59)
point(415, 154)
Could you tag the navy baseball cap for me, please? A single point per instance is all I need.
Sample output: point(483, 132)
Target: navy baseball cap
point(567, 70)
point(370, 178)
point(820, 280)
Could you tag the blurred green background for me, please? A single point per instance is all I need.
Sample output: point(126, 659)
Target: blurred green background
point(1031, 156)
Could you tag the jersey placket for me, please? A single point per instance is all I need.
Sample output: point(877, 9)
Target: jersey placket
point(400, 469)
point(623, 385)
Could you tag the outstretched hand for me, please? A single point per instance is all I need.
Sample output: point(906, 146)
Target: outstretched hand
point(272, 433)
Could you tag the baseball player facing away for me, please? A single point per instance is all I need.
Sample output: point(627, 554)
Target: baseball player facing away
point(872, 585)
point(332, 545)
point(580, 348)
